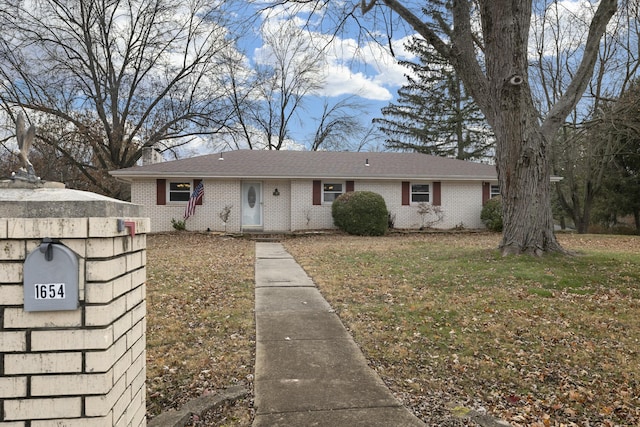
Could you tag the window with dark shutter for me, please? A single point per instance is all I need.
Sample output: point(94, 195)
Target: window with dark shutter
point(495, 191)
point(437, 194)
point(406, 193)
point(420, 193)
point(161, 191)
point(179, 191)
point(351, 186)
point(317, 192)
point(486, 192)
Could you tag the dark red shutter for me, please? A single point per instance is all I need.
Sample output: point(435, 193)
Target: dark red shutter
point(486, 192)
point(437, 194)
point(161, 191)
point(406, 193)
point(317, 192)
point(350, 186)
point(195, 184)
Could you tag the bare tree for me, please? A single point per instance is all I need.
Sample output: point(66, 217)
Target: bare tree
point(288, 69)
point(270, 97)
point(493, 63)
point(622, 182)
point(339, 126)
point(121, 75)
point(585, 148)
point(604, 164)
point(241, 87)
point(582, 157)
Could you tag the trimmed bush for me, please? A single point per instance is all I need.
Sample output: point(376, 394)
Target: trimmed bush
point(362, 213)
point(491, 214)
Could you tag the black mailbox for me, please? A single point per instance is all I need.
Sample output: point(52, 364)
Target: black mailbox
point(51, 278)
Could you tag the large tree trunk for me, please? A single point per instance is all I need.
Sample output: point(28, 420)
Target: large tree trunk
point(522, 151)
point(499, 84)
point(524, 178)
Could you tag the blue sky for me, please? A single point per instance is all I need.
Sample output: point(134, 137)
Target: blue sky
point(352, 66)
point(358, 66)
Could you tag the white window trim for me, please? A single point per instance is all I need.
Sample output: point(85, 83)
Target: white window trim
point(411, 192)
point(168, 189)
point(492, 194)
point(344, 190)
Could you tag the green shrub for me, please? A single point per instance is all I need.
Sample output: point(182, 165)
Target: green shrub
point(179, 225)
point(491, 214)
point(362, 213)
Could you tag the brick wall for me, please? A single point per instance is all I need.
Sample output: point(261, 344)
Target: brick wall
point(83, 367)
point(304, 215)
point(461, 203)
point(217, 195)
point(293, 209)
point(277, 209)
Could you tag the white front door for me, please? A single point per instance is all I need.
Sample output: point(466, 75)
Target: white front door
point(251, 204)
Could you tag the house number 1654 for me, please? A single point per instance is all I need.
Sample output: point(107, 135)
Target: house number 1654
point(49, 290)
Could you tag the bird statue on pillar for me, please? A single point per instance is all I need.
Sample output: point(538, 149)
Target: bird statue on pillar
point(25, 140)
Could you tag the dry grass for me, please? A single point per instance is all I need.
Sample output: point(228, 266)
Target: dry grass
point(447, 323)
point(200, 326)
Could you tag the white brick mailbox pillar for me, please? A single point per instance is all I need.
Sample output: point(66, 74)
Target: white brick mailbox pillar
point(83, 366)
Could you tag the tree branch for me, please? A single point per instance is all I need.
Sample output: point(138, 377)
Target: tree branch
point(576, 88)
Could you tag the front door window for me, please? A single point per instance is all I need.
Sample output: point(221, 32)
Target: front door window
point(251, 204)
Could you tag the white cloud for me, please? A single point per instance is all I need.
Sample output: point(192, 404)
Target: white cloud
point(369, 70)
point(371, 61)
point(342, 81)
point(560, 28)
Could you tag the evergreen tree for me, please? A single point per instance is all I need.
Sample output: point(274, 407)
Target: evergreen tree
point(434, 114)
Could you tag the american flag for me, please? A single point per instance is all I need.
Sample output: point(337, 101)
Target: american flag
point(196, 196)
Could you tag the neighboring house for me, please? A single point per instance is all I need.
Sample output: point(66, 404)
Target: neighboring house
point(284, 191)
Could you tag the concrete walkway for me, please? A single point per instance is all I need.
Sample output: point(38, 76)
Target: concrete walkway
point(309, 371)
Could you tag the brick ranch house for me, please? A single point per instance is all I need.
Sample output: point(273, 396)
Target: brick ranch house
point(286, 191)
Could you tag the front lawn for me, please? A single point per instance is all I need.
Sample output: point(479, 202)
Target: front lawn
point(448, 324)
point(200, 325)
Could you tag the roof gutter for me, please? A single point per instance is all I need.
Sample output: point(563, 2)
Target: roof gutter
point(131, 177)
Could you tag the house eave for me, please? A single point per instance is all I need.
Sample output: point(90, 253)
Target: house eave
point(130, 177)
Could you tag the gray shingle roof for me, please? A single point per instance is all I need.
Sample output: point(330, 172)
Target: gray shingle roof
point(314, 164)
